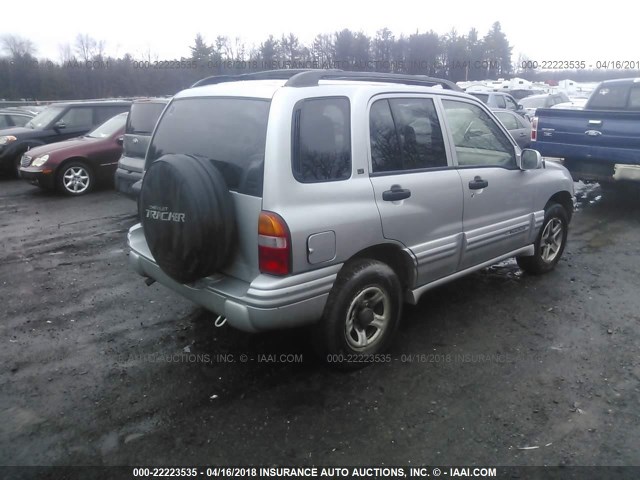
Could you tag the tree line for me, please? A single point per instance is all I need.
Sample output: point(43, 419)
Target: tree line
point(84, 70)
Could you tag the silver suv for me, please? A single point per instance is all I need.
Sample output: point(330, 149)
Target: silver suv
point(330, 198)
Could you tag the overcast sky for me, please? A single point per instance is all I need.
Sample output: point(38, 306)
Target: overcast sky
point(540, 30)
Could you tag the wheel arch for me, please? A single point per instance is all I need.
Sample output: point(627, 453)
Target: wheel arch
point(75, 158)
point(563, 198)
point(393, 255)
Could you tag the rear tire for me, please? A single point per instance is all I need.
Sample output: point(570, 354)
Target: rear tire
point(75, 178)
point(361, 315)
point(550, 242)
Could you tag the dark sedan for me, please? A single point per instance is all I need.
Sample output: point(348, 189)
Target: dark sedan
point(75, 166)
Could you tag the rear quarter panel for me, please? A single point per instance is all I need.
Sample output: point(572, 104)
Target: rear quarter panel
point(347, 207)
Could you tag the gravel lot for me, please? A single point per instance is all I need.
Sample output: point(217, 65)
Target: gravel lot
point(100, 369)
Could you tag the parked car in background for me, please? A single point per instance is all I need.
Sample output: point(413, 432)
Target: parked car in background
point(75, 166)
point(12, 117)
point(522, 93)
point(143, 116)
point(57, 122)
point(498, 100)
point(518, 126)
point(32, 109)
point(573, 104)
point(599, 143)
point(545, 100)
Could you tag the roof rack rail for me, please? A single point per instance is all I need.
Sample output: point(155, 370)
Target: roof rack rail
point(311, 78)
point(284, 74)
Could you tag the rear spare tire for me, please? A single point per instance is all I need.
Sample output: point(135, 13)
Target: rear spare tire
point(187, 215)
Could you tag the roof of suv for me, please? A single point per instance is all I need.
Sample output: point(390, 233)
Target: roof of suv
point(267, 88)
point(265, 84)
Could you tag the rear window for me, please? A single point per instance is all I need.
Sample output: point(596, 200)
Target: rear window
point(143, 117)
point(609, 97)
point(483, 97)
point(230, 132)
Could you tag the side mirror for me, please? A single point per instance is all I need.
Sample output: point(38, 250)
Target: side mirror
point(59, 125)
point(530, 159)
point(520, 107)
point(120, 140)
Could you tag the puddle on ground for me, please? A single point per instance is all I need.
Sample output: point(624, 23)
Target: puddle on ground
point(586, 194)
point(507, 269)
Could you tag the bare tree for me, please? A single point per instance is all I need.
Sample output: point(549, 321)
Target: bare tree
point(17, 46)
point(65, 53)
point(86, 46)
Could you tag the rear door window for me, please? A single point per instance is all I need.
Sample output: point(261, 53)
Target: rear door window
point(634, 98)
point(78, 117)
point(405, 135)
point(229, 132)
point(321, 150)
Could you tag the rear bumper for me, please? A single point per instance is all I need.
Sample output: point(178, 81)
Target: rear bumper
point(267, 303)
point(626, 173)
point(125, 182)
point(602, 171)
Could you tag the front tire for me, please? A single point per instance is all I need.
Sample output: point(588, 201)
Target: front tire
point(361, 315)
point(550, 242)
point(75, 178)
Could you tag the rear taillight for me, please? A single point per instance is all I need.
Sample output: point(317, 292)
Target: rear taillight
point(534, 129)
point(274, 244)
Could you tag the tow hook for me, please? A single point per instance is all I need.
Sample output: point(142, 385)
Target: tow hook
point(220, 321)
point(149, 281)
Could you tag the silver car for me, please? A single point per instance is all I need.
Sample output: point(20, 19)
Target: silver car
point(330, 199)
point(518, 126)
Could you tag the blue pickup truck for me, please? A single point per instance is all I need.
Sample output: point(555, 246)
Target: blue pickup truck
point(600, 143)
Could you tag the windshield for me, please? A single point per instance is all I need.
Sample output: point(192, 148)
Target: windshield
point(110, 127)
point(533, 102)
point(143, 117)
point(230, 132)
point(44, 118)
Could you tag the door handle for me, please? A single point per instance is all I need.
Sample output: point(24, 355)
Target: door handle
point(595, 122)
point(478, 184)
point(396, 193)
point(522, 134)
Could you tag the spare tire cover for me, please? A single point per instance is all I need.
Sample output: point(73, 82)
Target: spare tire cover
point(187, 214)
